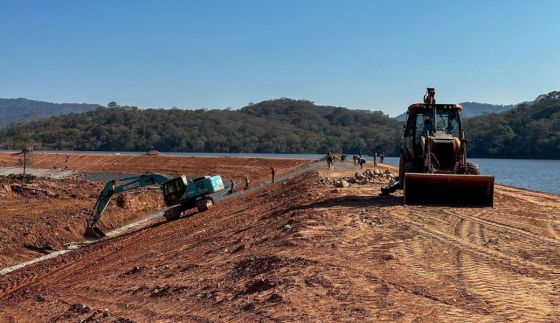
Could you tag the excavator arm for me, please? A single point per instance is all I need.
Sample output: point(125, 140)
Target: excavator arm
point(117, 186)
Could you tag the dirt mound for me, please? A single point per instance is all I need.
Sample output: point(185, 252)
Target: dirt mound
point(135, 201)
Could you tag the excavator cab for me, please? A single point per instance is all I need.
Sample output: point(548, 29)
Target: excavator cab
point(174, 190)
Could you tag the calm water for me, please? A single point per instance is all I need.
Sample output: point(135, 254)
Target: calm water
point(538, 175)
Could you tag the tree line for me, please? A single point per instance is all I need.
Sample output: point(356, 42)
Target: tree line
point(274, 126)
point(532, 130)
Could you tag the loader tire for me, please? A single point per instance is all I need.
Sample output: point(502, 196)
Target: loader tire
point(473, 168)
point(405, 167)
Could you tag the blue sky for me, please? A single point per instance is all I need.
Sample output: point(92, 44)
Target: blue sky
point(377, 55)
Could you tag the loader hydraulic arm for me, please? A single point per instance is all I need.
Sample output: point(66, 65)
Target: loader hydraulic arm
point(124, 184)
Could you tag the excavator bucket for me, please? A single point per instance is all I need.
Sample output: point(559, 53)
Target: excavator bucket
point(93, 232)
point(449, 189)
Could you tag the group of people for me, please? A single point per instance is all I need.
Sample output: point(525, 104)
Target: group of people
point(359, 160)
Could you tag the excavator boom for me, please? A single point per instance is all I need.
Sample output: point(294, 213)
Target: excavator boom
point(111, 188)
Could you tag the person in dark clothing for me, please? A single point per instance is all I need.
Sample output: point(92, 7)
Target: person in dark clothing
point(381, 157)
point(246, 182)
point(232, 187)
point(374, 159)
point(273, 172)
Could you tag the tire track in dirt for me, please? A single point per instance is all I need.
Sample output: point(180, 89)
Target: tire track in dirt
point(473, 280)
point(480, 284)
point(520, 265)
point(504, 239)
point(513, 230)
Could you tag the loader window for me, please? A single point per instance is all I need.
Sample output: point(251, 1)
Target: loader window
point(424, 123)
point(447, 120)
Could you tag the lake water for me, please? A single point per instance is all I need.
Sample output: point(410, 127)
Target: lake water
point(538, 175)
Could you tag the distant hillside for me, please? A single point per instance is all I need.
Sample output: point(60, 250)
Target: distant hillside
point(474, 109)
point(532, 130)
point(23, 110)
point(275, 126)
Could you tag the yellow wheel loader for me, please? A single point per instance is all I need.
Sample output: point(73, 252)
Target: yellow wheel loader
point(433, 167)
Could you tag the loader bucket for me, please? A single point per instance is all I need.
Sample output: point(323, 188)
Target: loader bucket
point(449, 189)
point(93, 232)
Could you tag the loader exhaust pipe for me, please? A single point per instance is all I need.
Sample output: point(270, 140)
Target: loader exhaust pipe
point(449, 189)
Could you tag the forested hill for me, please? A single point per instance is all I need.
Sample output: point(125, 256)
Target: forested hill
point(532, 130)
point(474, 109)
point(275, 126)
point(24, 110)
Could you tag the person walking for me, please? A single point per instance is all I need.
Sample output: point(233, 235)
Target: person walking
point(231, 187)
point(273, 173)
point(362, 162)
point(246, 183)
point(381, 157)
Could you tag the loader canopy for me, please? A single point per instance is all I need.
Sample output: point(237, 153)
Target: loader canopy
point(442, 118)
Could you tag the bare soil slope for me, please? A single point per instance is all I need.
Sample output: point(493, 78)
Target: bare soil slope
point(41, 216)
point(38, 218)
point(298, 250)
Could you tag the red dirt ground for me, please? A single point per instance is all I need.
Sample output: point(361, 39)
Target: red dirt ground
point(44, 215)
point(51, 213)
point(299, 251)
point(257, 169)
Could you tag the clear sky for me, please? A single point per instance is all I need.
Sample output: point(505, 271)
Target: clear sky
point(370, 54)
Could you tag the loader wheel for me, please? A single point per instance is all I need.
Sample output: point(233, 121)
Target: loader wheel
point(405, 167)
point(473, 168)
point(204, 204)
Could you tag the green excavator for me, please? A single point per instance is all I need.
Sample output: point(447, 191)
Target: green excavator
point(179, 193)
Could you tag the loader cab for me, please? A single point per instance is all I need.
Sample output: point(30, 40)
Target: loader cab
point(174, 190)
point(423, 118)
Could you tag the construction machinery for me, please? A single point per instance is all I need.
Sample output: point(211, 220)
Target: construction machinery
point(179, 194)
point(433, 167)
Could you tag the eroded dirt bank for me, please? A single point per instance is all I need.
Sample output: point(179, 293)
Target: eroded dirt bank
point(41, 216)
point(300, 250)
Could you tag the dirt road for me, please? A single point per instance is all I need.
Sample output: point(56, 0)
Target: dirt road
point(299, 251)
